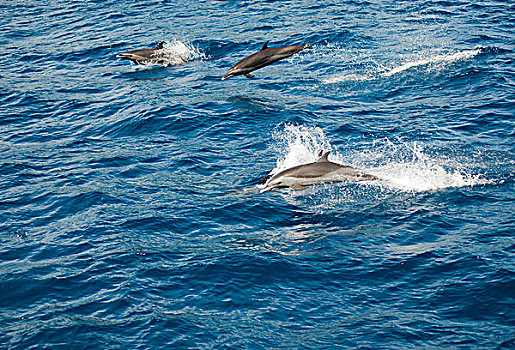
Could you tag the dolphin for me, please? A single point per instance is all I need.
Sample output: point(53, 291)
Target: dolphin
point(262, 58)
point(146, 56)
point(322, 171)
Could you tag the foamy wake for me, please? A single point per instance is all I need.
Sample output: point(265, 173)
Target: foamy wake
point(411, 166)
point(176, 52)
point(431, 63)
point(435, 60)
point(343, 77)
point(402, 166)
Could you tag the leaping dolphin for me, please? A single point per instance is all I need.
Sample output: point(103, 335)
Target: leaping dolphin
point(154, 55)
point(262, 58)
point(322, 171)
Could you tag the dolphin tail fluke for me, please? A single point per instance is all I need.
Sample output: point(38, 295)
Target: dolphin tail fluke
point(308, 45)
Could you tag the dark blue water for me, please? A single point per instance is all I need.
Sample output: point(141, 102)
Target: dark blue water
point(129, 212)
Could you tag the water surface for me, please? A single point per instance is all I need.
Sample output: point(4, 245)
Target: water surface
point(130, 215)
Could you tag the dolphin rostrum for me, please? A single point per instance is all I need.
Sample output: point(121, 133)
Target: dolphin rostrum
point(322, 171)
point(154, 55)
point(262, 58)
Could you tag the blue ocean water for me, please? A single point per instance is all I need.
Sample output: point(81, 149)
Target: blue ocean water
point(130, 211)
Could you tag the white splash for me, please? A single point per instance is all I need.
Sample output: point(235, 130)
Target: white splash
point(298, 145)
point(403, 166)
point(410, 167)
point(344, 77)
point(375, 70)
point(435, 60)
point(176, 52)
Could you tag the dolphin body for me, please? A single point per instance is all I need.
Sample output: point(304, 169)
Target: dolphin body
point(262, 58)
point(320, 172)
point(146, 56)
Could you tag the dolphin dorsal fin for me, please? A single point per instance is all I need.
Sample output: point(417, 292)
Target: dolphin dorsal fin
point(324, 157)
point(160, 45)
point(264, 46)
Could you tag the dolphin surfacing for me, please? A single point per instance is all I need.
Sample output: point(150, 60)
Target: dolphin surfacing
point(262, 58)
point(154, 55)
point(322, 171)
